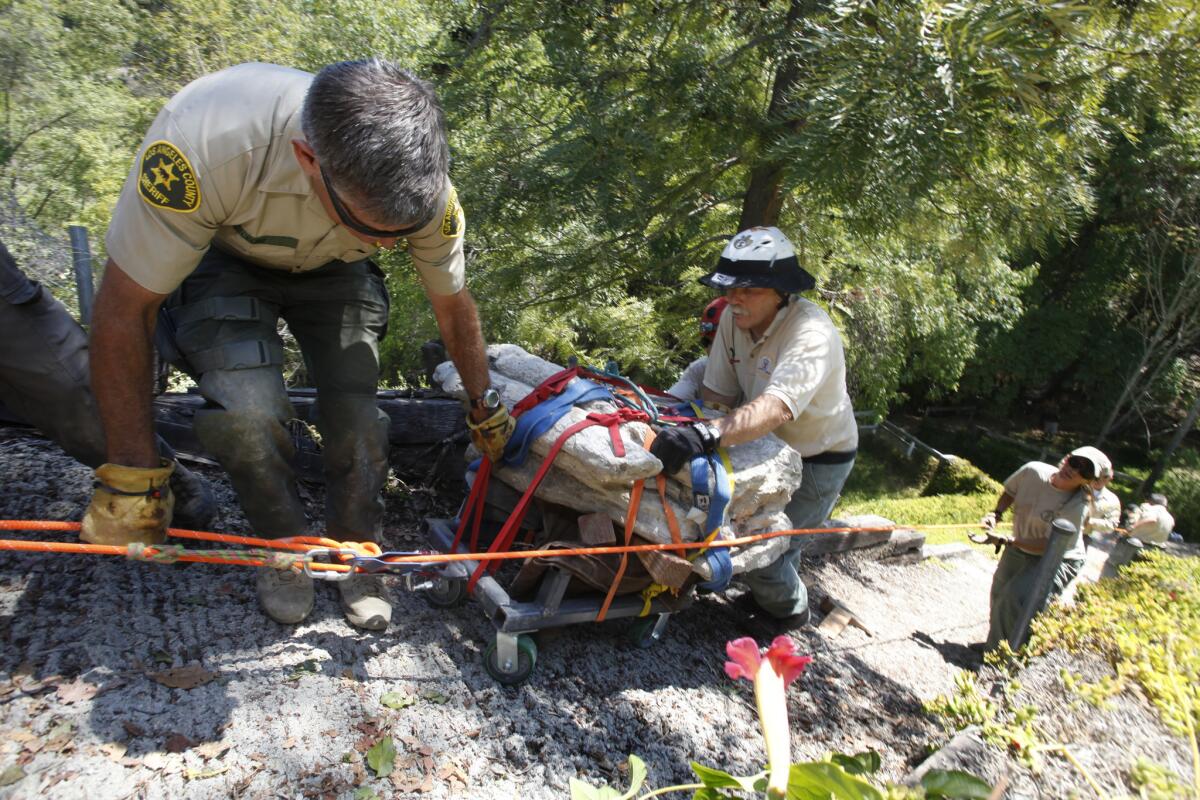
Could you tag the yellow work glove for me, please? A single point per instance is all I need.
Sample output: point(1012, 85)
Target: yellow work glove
point(493, 433)
point(129, 504)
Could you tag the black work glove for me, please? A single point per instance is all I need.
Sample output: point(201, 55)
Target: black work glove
point(677, 446)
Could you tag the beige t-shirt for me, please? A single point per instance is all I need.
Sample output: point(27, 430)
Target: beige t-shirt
point(1152, 524)
point(1105, 515)
point(800, 360)
point(217, 168)
point(1036, 504)
point(688, 385)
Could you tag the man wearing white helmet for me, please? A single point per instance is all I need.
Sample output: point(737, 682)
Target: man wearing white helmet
point(780, 362)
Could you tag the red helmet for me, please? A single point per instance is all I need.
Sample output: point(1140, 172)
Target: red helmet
point(709, 319)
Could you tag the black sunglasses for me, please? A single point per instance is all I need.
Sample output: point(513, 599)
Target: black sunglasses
point(1082, 466)
point(350, 222)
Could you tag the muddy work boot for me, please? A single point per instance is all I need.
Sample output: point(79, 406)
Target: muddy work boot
point(365, 602)
point(195, 506)
point(285, 596)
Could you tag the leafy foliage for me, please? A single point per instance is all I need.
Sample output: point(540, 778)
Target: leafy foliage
point(1145, 623)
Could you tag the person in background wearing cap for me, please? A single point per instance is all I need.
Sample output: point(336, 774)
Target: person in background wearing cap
point(1151, 522)
point(1039, 494)
point(261, 193)
point(1105, 516)
point(690, 382)
point(779, 362)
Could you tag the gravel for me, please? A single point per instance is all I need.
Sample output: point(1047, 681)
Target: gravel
point(291, 711)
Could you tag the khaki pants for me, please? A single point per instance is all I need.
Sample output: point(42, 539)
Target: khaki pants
point(222, 322)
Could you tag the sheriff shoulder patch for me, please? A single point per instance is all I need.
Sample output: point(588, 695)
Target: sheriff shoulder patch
point(167, 180)
point(452, 223)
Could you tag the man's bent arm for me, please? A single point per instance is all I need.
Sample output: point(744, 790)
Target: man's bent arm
point(458, 322)
point(122, 366)
point(754, 420)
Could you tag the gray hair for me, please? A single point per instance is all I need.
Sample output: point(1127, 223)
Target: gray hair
point(1158, 499)
point(380, 134)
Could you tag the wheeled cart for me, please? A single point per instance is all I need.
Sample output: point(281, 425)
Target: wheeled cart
point(510, 659)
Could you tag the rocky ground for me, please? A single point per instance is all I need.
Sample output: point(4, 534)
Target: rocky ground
point(121, 680)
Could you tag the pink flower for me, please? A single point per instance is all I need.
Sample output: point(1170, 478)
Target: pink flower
point(744, 652)
point(788, 665)
point(771, 677)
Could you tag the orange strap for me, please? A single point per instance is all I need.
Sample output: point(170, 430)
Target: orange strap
point(672, 523)
point(635, 500)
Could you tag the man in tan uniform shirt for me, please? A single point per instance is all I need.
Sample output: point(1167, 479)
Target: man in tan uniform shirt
point(779, 359)
point(259, 193)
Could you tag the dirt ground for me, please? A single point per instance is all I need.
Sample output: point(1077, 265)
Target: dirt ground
point(89, 705)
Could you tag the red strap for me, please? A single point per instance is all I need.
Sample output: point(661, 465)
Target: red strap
point(546, 389)
point(507, 533)
point(473, 506)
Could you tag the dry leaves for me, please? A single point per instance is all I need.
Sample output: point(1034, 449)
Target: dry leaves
point(76, 691)
point(177, 743)
point(212, 749)
point(115, 751)
point(183, 677)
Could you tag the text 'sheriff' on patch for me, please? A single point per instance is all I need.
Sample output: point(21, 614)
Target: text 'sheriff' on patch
point(166, 179)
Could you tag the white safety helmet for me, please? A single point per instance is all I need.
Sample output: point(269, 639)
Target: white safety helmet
point(760, 257)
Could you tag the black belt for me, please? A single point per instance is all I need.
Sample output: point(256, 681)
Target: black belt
point(832, 457)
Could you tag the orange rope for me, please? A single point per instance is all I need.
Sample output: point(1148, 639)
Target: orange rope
point(308, 543)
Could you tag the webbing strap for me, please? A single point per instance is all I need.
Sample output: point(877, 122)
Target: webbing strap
point(245, 309)
point(473, 508)
point(236, 355)
point(538, 419)
point(672, 523)
point(635, 501)
point(507, 533)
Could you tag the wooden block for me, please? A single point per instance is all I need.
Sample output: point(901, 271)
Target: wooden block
point(835, 621)
point(666, 568)
point(596, 529)
point(841, 617)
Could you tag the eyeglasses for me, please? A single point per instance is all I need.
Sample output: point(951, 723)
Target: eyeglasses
point(1082, 466)
point(353, 224)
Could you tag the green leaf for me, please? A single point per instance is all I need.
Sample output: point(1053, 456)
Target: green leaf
point(11, 775)
point(716, 779)
point(865, 763)
point(955, 784)
point(584, 791)
point(382, 757)
point(365, 793)
point(824, 781)
point(637, 776)
point(397, 700)
point(434, 697)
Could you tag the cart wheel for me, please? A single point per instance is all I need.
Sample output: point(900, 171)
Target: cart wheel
point(642, 632)
point(526, 659)
point(446, 592)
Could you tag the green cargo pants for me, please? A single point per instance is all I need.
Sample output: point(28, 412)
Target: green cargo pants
point(1012, 585)
point(222, 323)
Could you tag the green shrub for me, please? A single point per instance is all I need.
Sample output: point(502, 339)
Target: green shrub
point(962, 511)
point(960, 476)
point(1145, 623)
point(1181, 485)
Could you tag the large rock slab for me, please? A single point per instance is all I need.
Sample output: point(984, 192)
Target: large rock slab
point(589, 477)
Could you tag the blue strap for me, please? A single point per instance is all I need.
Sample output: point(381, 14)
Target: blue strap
point(716, 501)
point(539, 419)
point(721, 564)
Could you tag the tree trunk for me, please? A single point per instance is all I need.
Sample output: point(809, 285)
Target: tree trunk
point(764, 194)
point(1161, 466)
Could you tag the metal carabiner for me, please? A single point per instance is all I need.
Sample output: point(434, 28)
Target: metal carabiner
point(312, 556)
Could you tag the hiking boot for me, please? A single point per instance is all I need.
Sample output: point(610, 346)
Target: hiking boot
point(793, 622)
point(365, 602)
point(195, 505)
point(285, 596)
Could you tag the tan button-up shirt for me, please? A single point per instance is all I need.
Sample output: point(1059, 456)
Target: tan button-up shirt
point(217, 168)
point(799, 359)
